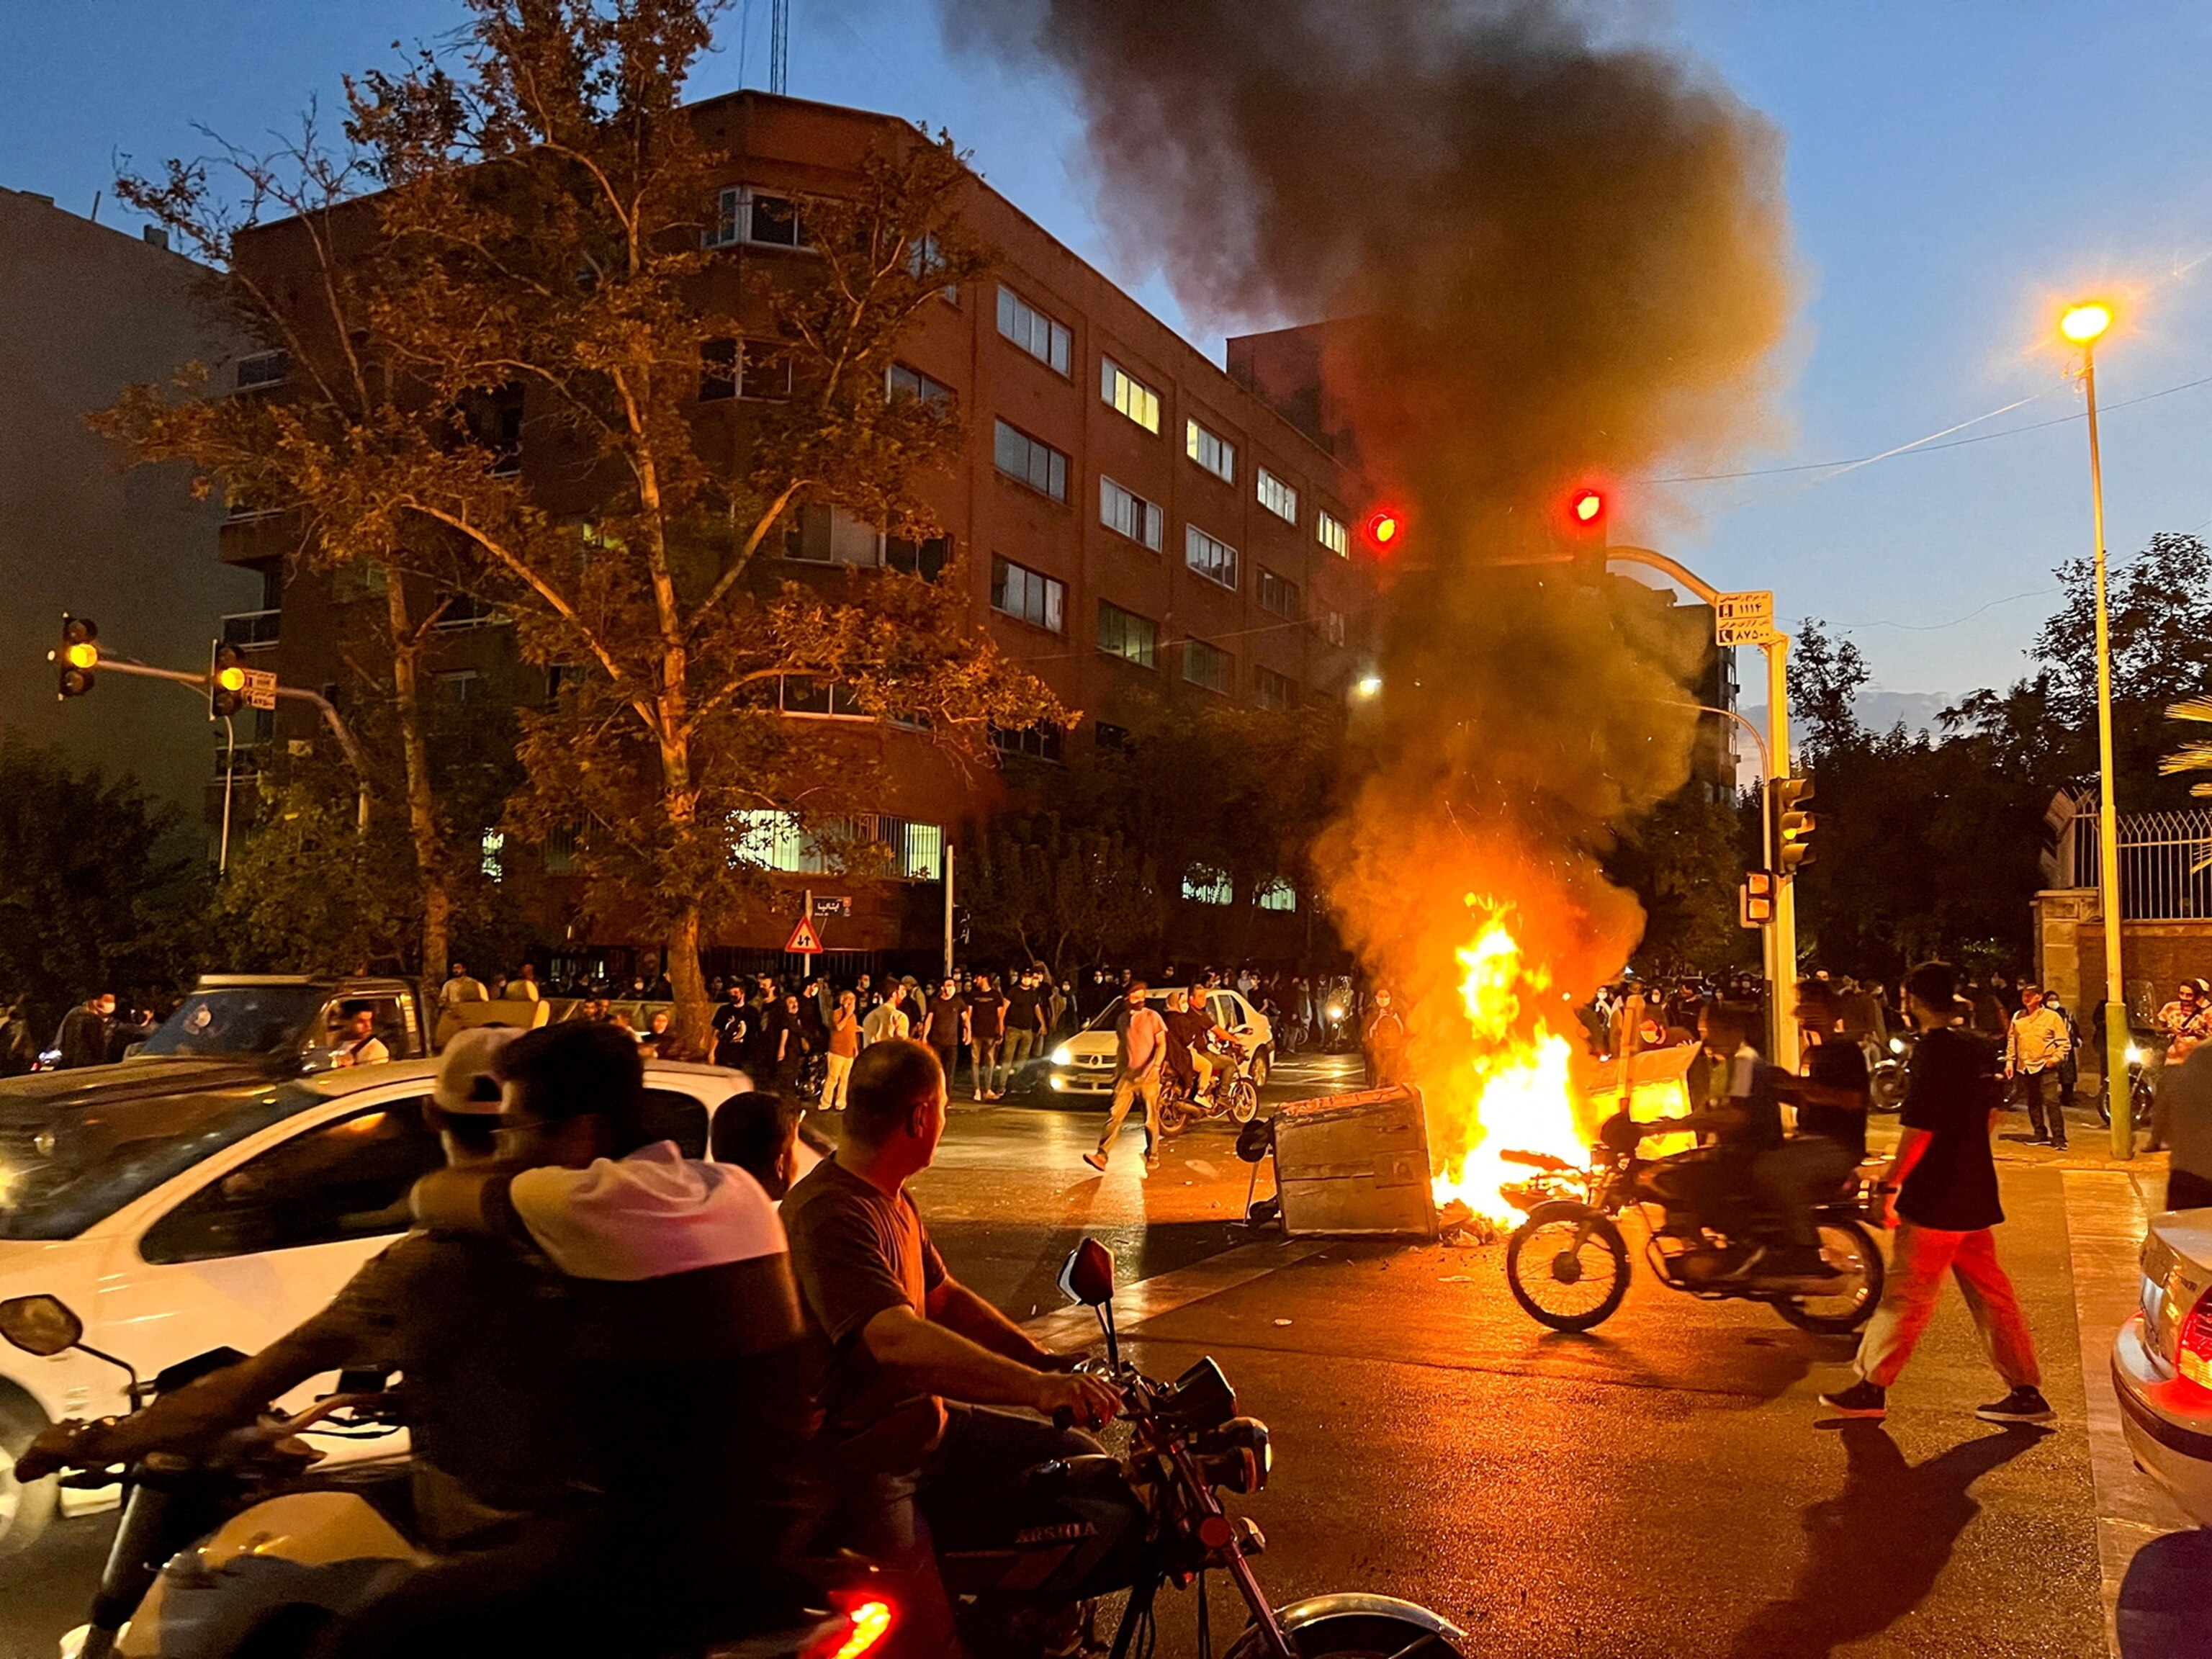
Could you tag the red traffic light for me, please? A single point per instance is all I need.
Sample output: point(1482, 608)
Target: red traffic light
point(1586, 507)
point(1384, 529)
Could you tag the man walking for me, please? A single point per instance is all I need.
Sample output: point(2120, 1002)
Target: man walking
point(1141, 1044)
point(2037, 1043)
point(1944, 1206)
point(1025, 1021)
point(945, 1026)
point(82, 1038)
point(888, 1020)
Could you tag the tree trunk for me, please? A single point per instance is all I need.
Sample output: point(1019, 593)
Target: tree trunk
point(421, 803)
point(694, 1018)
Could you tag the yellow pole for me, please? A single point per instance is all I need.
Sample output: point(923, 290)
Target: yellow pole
point(2108, 822)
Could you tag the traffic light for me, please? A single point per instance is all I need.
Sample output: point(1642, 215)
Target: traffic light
point(1586, 507)
point(1755, 899)
point(1788, 798)
point(77, 656)
point(1384, 529)
point(226, 683)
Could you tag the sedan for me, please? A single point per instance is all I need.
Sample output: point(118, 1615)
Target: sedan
point(2162, 1361)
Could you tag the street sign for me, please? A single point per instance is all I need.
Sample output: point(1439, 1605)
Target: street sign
point(260, 689)
point(829, 905)
point(804, 940)
point(1743, 618)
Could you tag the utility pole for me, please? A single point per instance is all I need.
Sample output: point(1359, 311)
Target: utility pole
point(948, 909)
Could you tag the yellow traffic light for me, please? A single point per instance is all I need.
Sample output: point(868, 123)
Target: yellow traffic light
point(1793, 826)
point(77, 656)
point(226, 683)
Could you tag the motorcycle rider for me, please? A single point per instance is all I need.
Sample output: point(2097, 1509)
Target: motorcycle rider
point(1832, 1099)
point(1193, 1036)
point(907, 1362)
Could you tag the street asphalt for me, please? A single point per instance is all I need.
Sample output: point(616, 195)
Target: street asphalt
point(1665, 1486)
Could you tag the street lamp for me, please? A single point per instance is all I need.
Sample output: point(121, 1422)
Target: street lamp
point(2084, 325)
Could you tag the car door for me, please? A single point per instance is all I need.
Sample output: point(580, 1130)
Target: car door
point(237, 1253)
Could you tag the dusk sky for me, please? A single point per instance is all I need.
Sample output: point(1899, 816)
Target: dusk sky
point(1954, 172)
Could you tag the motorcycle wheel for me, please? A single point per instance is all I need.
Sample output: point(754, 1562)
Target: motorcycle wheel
point(1355, 1636)
point(1848, 1248)
point(25, 1510)
point(1175, 1116)
point(1888, 1088)
point(1559, 1284)
point(1260, 1066)
point(1244, 1100)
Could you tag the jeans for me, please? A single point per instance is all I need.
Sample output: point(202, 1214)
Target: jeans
point(1021, 1047)
point(990, 1077)
point(1798, 1174)
point(1126, 1090)
point(1917, 1263)
point(833, 1084)
point(949, 1059)
point(2042, 1104)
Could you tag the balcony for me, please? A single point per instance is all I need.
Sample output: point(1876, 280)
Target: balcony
point(250, 630)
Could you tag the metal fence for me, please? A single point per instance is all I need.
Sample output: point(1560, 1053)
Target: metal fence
point(2165, 863)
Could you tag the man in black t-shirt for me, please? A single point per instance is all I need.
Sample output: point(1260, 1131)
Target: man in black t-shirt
point(1944, 1208)
point(1831, 1137)
point(1026, 1020)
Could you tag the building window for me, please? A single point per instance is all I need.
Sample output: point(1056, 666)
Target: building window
point(773, 840)
point(1128, 394)
point(1027, 595)
point(1329, 531)
point(1202, 884)
point(1276, 895)
point(462, 685)
point(1129, 513)
point(1046, 341)
point(1040, 742)
point(925, 260)
point(1278, 497)
point(1213, 452)
point(815, 534)
point(1278, 594)
point(1126, 635)
point(1212, 559)
point(1106, 735)
point(925, 559)
point(263, 368)
point(743, 214)
point(807, 694)
point(1273, 690)
point(1032, 462)
point(459, 611)
point(717, 370)
point(900, 381)
point(1208, 666)
point(1332, 627)
point(491, 854)
point(558, 851)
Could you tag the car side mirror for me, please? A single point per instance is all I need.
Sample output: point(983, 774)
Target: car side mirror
point(1088, 1276)
point(40, 1325)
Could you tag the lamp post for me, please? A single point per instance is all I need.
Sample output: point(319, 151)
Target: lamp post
point(2083, 326)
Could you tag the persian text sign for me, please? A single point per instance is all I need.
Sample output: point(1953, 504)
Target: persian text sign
point(1743, 618)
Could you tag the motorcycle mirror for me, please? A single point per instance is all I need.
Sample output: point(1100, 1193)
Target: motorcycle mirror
point(1088, 1276)
point(40, 1325)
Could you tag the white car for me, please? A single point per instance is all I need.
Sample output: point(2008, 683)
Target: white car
point(1083, 1065)
point(2162, 1361)
point(174, 1223)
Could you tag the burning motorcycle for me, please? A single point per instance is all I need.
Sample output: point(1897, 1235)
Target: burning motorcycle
point(1234, 1094)
point(1082, 1528)
point(239, 1550)
point(1567, 1264)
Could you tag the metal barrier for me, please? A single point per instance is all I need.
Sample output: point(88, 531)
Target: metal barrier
point(2164, 864)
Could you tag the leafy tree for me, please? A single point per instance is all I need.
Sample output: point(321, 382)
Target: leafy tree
point(1684, 859)
point(1825, 675)
point(1061, 894)
point(305, 893)
point(100, 890)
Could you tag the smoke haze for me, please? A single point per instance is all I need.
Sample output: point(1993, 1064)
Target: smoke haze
point(1549, 262)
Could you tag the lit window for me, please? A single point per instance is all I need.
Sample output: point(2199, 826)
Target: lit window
point(1208, 666)
point(1211, 450)
point(1278, 497)
point(1273, 690)
point(1276, 895)
point(1205, 885)
point(1046, 341)
point(1129, 513)
point(1278, 594)
point(1031, 460)
point(1214, 559)
point(1027, 595)
point(743, 214)
point(1329, 531)
point(1126, 635)
point(1332, 627)
point(773, 840)
point(1128, 394)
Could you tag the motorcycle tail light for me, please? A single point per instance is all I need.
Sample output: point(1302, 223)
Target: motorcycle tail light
point(869, 1618)
point(2192, 1349)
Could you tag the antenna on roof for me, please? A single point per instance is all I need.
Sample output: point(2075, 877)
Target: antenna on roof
point(778, 45)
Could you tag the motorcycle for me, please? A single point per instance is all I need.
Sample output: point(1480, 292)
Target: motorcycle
point(1888, 1068)
point(1083, 1527)
point(1235, 1094)
point(1567, 1264)
point(2142, 1081)
point(237, 1551)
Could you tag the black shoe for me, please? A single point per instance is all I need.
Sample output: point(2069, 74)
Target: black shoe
point(2057, 1145)
point(1795, 1262)
point(1861, 1399)
point(2022, 1404)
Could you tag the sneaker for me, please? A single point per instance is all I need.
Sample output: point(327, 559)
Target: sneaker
point(1097, 1161)
point(1861, 1399)
point(2057, 1145)
point(2020, 1406)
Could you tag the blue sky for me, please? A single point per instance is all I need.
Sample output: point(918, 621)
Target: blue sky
point(1953, 171)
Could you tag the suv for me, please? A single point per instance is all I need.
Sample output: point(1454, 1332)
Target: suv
point(1084, 1064)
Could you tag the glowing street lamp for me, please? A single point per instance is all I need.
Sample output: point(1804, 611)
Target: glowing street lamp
point(2083, 325)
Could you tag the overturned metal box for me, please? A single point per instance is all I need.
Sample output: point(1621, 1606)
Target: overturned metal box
point(1355, 1164)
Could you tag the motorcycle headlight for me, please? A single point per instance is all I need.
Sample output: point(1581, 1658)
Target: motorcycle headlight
point(1897, 1045)
point(1063, 1056)
point(2134, 1055)
point(1239, 1454)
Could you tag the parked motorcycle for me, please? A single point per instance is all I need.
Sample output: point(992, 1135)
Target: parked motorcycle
point(239, 1550)
point(1234, 1094)
point(1083, 1527)
point(1567, 1264)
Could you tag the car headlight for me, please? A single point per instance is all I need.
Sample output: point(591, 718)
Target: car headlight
point(1062, 1056)
point(1897, 1045)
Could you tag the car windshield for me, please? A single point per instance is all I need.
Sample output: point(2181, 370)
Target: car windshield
point(239, 1021)
point(64, 1167)
point(1110, 1015)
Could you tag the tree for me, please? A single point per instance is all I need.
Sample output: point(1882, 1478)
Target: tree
point(308, 894)
point(1684, 859)
point(1826, 677)
point(1061, 894)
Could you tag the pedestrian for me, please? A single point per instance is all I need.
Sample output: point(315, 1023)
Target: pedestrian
point(1140, 1050)
point(732, 1021)
point(523, 987)
point(1061, 1007)
point(1025, 1021)
point(652, 1042)
point(1942, 1199)
point(887, 1020)
point(844, 1049)
point(944, 1025)
point(82, 1038)
point(788, 1026)
point(2069, 1069)
point(2182, 1024)
point(2037, 1043)
point(1383, 1041)
point(460, 987)
point(986, 1028)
